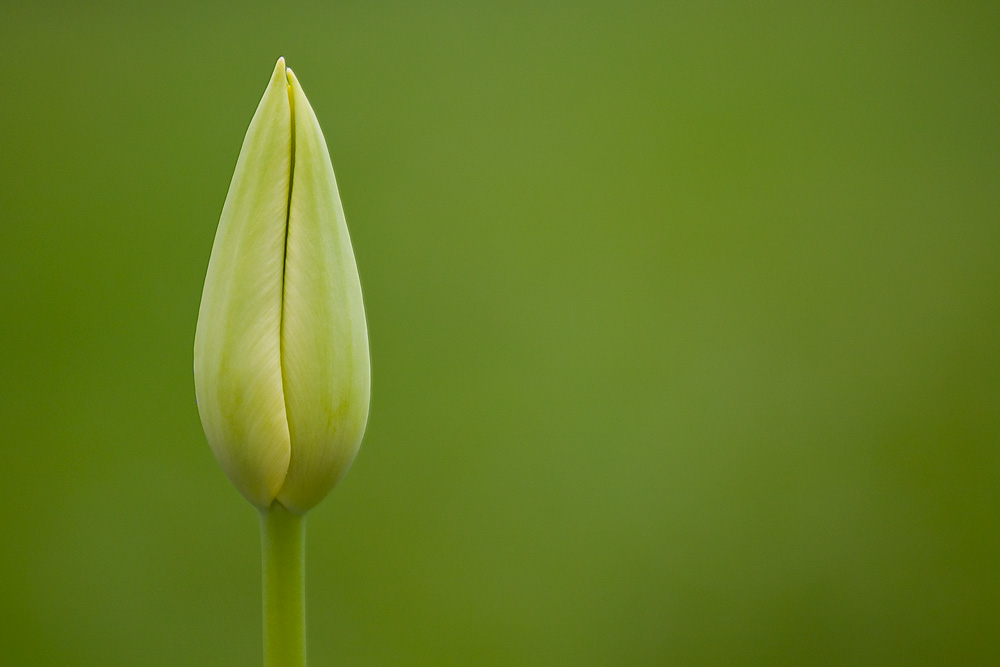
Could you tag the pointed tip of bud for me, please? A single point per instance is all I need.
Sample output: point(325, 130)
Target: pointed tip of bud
point(279, 70)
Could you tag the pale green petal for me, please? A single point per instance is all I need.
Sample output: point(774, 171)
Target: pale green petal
point(237, 342)
point(324, 341)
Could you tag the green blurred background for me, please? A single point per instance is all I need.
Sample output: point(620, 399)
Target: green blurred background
point(684, 324)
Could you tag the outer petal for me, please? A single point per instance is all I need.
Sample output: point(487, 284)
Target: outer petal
point(237, 342)
point(324, 347)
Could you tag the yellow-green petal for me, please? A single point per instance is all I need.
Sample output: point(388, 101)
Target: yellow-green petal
point(324, 340)
point(238, 338)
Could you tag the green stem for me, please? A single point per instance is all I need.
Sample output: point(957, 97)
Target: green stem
point(282, 536)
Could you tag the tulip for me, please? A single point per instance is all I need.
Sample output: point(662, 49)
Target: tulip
point(281, 359)
point(281, 365)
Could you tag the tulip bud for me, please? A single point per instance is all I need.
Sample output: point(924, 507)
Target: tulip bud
point(281, 361)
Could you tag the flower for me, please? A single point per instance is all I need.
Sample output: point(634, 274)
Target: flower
point(281, 364)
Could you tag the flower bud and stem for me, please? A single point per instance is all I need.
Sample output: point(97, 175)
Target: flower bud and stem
point(281, 363)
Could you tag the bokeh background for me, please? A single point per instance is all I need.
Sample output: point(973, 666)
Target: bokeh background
point(685, 327)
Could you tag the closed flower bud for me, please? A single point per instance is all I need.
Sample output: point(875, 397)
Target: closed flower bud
point(281, 360)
